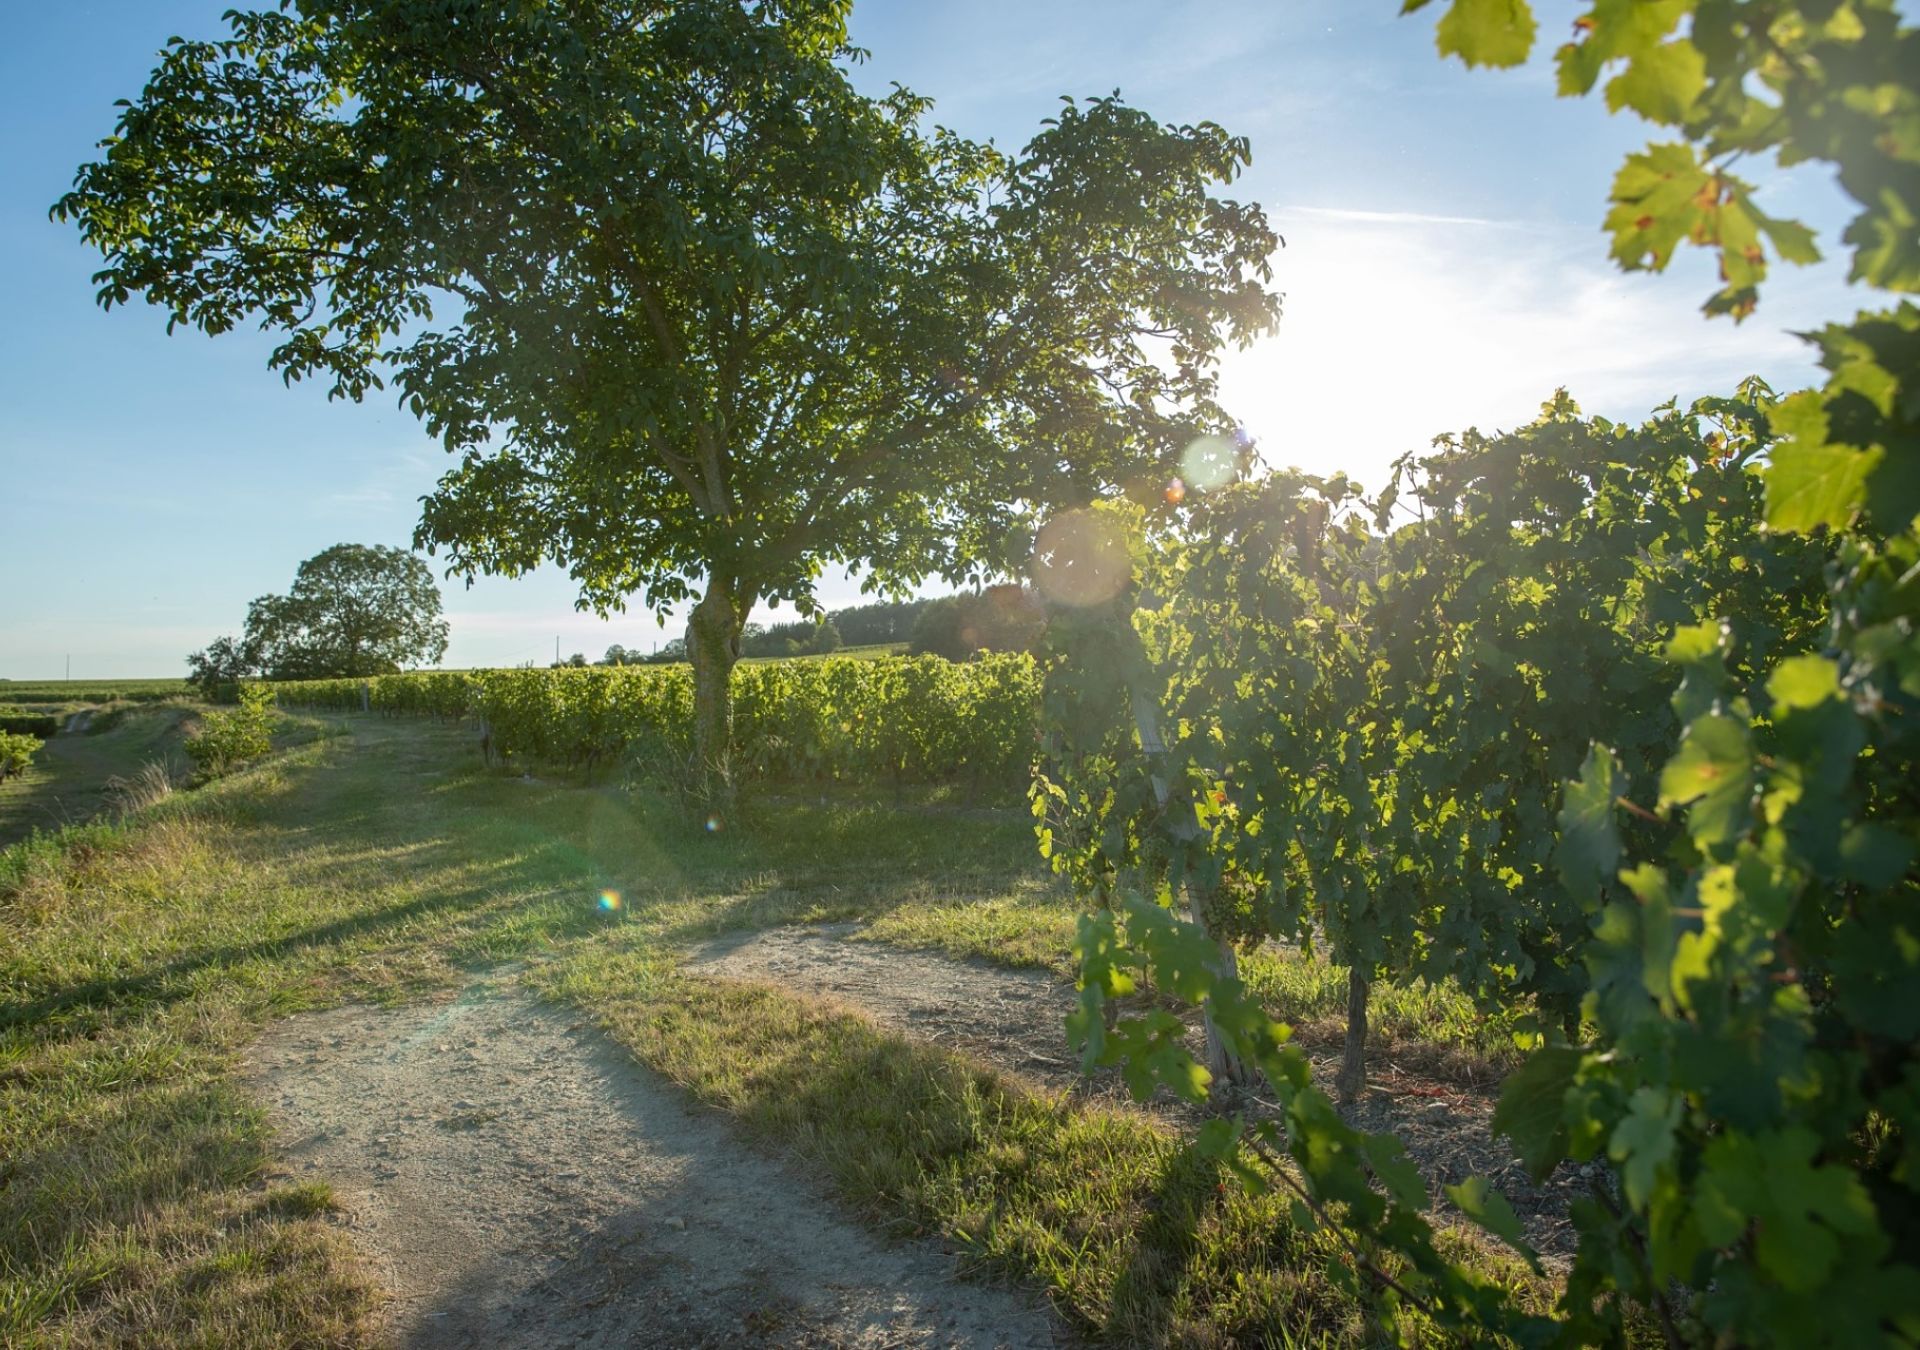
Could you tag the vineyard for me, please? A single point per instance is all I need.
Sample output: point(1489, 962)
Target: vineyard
point(857, 719)
point(1478, 906)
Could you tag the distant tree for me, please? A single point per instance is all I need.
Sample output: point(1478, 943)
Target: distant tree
point(619, 656)
point(718, 320)
point(881, 621)
point(998, 619)
point(674, 649)
point(220, 665)
point(803, 637)
point(936, 631)
point(355, 609)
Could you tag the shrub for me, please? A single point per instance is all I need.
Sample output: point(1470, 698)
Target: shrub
point(228, 739)
point(16, 752)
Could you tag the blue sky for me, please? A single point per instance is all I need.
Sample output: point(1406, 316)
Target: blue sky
point(1443, 268)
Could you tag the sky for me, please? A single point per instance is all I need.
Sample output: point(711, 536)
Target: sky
point(1443, 268)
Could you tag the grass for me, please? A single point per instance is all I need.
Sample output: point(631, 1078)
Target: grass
point(139, 1200)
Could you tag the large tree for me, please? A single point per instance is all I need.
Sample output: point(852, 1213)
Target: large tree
point(355, 609)
point(698, 317)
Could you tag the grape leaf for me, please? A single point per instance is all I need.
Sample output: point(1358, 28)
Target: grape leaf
point(1488, 1208)
point(1589, 849)
point(1487, 32)
point(1532, 1108)
point(1713, 773)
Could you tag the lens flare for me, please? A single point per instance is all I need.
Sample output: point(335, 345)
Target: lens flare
point(1209, 462)
point(713, 824)
point(609, 901)
point(1080, 558)
point(1176, 492)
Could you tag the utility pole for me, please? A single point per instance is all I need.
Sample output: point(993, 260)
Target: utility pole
point(69, 667)
point(556, 649)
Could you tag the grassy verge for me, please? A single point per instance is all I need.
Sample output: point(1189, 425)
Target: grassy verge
point(139, 1202)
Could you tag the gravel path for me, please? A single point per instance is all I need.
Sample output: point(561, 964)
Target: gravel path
point(1016, 1019)
point(517, 1180)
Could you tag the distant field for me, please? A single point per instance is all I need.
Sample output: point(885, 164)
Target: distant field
point(871, 652)
point(92, 691)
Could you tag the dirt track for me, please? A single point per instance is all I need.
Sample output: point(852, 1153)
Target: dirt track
point(518, 1181)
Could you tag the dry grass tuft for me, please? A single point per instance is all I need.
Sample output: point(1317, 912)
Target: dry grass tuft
point(151, 784)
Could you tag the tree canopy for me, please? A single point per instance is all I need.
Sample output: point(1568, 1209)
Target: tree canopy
point(355, 609)
point(694, 312)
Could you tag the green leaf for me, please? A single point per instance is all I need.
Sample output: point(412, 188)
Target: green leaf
point(1488, 1208)
point(1793, 241)
point(1712, 773)
point(1803, 682)
point(1796, 1207)
point(1487, 32)
point(1589, 850)
point(1643, 1142)
point(1661, 83)
point(1656, 203)
point(1811, 481)
point(1532, 1107)
point(1875, 855)
point(1388, 1158)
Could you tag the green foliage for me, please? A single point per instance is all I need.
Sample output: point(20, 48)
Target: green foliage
point(229, 738)
point(997, 619)
point(803, 637)
point(17, 750)
point(354, 610)
point(217, 669)
point(93, 691)
point(1388, 730)
point(919, 720)
point(22, 722)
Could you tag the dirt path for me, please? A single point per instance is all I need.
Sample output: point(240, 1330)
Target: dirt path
point(1015, 1019)
point(519, 1181)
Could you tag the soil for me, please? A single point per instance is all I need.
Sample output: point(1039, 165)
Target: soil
point(1016, 1020)
point(515, 1179)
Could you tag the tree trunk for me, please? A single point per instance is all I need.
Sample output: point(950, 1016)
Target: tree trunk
point(1353, 1062)
point(1226, 1067)
point(713, 647)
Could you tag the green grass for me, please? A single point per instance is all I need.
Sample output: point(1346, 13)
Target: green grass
point(73, 778)
point(139, 1200)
